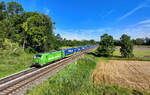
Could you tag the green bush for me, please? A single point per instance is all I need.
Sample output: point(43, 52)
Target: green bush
point(126, 49)
point(11, 48)
point(106, 46)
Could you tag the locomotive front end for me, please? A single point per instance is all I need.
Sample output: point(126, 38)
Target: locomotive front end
point(37, 60)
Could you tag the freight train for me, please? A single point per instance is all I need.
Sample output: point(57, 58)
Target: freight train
point(42, 59)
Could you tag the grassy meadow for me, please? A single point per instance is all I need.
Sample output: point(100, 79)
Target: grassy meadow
point(141, 53)
point(76, 79)
point(10, 64)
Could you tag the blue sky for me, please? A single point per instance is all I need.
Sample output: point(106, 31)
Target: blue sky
point(89, 19)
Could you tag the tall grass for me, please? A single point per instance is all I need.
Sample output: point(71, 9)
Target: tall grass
point(76, 80)
point(10, 64)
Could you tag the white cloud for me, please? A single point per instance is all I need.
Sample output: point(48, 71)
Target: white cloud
point(146, 25)
point(144, 21)
point(81, 34)
point(140, 32)
point(88, 34)
point(132, 11)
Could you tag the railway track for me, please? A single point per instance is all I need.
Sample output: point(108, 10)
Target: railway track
point(16, 75)
point(14, 83)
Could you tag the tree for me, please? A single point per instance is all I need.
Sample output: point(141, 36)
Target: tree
point(117, 42)
point(106, 46)
point(59, 41)
point(2, 10)
point(34, 32)
point(10, 24)
point(126, 46)
point(92, 42)
point(147, 41)
point(14, 8)
point(6, 29)
point(2, 6)
point(37, 33)
point(139, 41)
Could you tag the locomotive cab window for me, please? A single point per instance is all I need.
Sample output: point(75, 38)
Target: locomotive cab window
point(38, 56)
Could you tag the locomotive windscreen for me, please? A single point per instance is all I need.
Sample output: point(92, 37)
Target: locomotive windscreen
point(38, 56)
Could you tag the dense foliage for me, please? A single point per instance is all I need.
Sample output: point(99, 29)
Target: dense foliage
point(106, 46)
point(78, 43)
point(141, 41)
point(126, 46)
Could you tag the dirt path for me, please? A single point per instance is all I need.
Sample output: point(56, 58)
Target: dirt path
point(135, 74)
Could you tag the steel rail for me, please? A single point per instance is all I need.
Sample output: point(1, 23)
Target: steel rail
point(16, 75)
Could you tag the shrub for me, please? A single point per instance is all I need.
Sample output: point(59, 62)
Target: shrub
point(11, 48)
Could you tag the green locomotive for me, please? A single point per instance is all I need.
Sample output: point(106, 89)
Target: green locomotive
point(41, 59)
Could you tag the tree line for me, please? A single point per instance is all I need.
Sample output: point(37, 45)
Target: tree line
point(137, 41)
point(71, 43)
point(32, 31)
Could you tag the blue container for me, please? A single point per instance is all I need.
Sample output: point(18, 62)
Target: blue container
point(75, 50)
point(69, 51)
point(79, 49)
